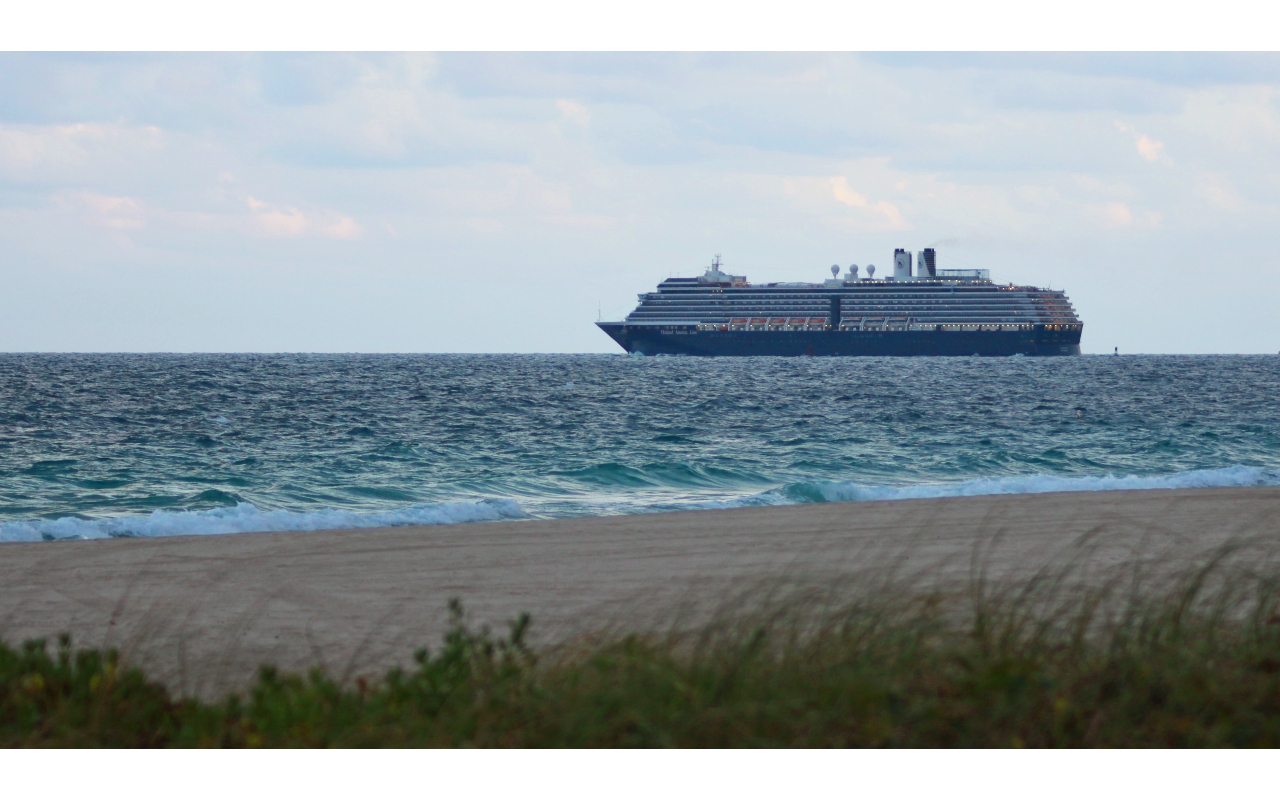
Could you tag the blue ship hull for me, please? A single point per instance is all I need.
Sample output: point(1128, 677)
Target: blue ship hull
point(689, 340)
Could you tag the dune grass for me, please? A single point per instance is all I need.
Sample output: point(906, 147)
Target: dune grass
point(1185, 659)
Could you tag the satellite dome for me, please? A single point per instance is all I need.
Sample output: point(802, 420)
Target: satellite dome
point(835, 270)
point(871, 269)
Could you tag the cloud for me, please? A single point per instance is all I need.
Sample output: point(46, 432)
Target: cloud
point(36, 153)
point(343, 228)
point(548, 165)
point(574, 111)
point(1118, 215)
point(1169, 69)
point(843, 193)
point(1223, 195)
point(1240, 124)
point(287, 221)
point(1148, 148)
point(276, 221)
point(116, 213)
point(122, 213)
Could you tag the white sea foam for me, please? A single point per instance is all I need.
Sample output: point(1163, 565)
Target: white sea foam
point(839, 491)
point(245, 518)
point(772, 498)
point(853, 491)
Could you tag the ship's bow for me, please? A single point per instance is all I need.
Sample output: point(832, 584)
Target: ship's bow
point(617, 332)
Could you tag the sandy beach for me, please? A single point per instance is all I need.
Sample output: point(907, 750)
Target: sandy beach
point(202, 612)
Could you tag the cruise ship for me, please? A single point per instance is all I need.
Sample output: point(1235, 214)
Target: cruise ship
point(920, 311)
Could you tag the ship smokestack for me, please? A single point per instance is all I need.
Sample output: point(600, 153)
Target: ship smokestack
point(901, 265)
point(927, 264)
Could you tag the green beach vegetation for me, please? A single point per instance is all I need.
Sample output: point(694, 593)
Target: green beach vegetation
point(1184, 660)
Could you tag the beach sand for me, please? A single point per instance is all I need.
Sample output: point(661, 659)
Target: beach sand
point(202, 612)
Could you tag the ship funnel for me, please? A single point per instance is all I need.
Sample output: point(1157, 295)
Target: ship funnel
point(927, 264)
point(901, 265)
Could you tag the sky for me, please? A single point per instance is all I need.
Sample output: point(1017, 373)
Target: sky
point(503, 202)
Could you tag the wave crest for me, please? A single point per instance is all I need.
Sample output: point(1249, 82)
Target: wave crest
point(845, 491)
point(246, 518)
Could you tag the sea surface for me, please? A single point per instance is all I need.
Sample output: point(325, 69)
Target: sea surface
point(152, 445)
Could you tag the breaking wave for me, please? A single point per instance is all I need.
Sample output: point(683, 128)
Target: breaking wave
point(853, 491)
point(845, 491)
point(246, 518)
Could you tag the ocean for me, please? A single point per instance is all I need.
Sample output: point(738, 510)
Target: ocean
point(96, 446)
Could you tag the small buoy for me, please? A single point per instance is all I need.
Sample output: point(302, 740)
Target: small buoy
point(1077, 413)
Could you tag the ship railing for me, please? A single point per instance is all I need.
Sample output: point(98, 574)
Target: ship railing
point(770, 324)
point(873, 324)
point(986, 326)
point(806, 323)
point(766, 324)
point(863, 324)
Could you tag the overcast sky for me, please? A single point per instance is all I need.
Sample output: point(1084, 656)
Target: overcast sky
point(497, 203)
